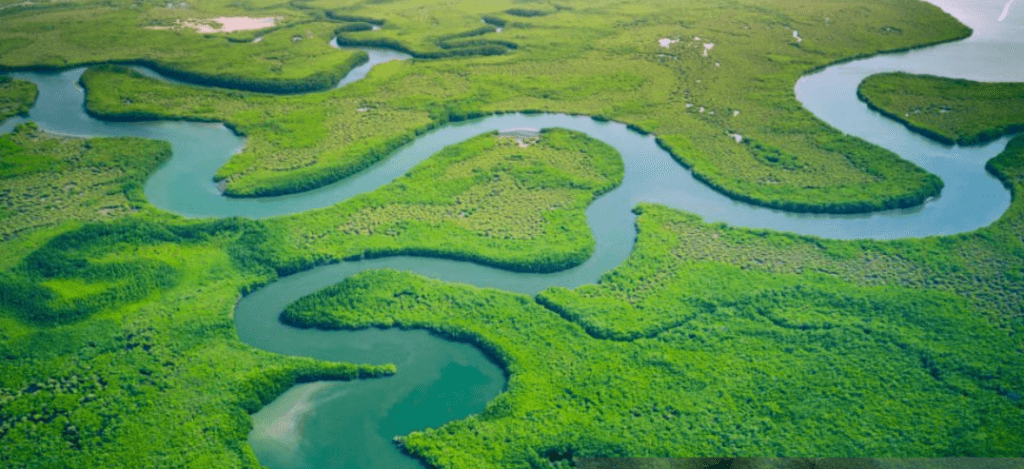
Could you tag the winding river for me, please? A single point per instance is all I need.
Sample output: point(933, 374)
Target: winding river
point(350, 424)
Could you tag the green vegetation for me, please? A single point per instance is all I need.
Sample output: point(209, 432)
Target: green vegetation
point(715, 340)
point(798, 463)
point(299, 146)
point(597, 59)
point(16, 96)
point(710, 340)
point(647, 294)
point(945, 109)
point(103, 320)
point(295, 58)
point(489, 200)
point(46, 180)
point(155, 351)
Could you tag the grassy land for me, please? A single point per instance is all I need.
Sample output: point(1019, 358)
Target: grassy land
point(596, 59)
point(714, 340)
point(16, 96)
point(711, 340)
point(487, 199)
point(131, 334)
point(111, 330)
point(47, 180)
point(796, 463)
point(293, 58)
point(945, 109)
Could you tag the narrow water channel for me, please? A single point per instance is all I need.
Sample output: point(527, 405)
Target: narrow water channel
point(350, 424)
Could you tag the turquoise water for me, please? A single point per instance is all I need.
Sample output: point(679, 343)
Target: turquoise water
point(350, 425)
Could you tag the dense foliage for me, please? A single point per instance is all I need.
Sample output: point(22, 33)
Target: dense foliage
point(714, 340)
point(767, 372)
point(156, 319)
point(15, 97)
point(46, 180)
point(117, 347)
point(148, 345)
point(489, 200)
point(603, 60)
point(710, 340)
point(945, 109)
point(798, 463)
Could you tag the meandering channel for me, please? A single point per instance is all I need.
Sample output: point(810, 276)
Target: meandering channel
point(351, 424)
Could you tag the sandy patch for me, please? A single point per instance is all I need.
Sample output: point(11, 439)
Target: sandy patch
point(524, 136)
point(1006, 10)
point(224, 24)
point(286, 427)
point(665, 42)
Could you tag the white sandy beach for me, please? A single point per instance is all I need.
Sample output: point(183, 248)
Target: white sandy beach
point(227, 24)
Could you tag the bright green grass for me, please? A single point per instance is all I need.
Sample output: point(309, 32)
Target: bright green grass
point(487, 199)
point(597, 59)
point(46, 180)
point(948, 110)
point(16, 96)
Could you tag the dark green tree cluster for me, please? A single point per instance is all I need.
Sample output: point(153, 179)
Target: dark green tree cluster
point(337, 16)
point(448, 44)
point(496, 21)
point(317, 81)
point(16, 97)
point(71, 256)
point(526, 12)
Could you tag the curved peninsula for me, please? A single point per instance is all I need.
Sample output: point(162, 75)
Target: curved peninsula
point(949, 110)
